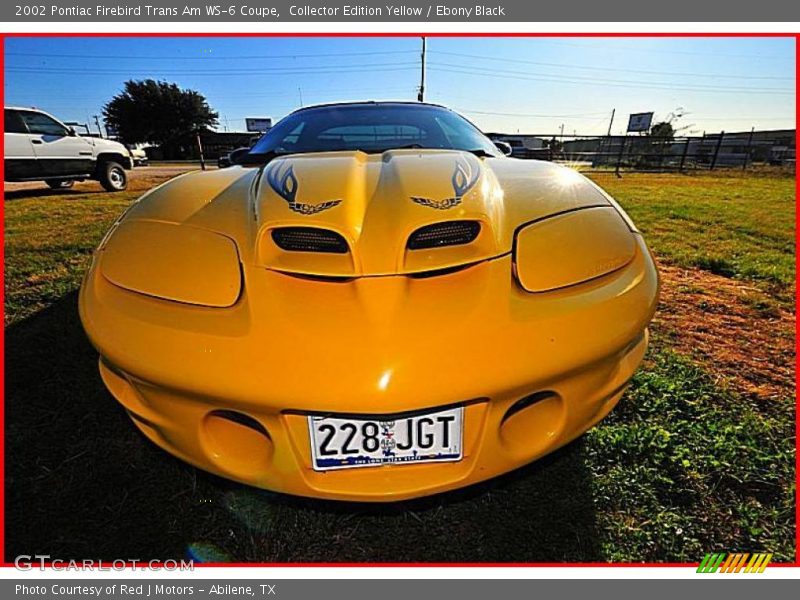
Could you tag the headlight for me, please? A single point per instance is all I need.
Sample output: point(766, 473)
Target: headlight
point(174, 262)
point(572, 248)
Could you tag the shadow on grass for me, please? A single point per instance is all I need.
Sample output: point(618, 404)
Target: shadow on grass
point(46, 192)
point(81, 482)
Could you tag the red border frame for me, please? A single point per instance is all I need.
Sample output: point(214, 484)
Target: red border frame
point(796, 36)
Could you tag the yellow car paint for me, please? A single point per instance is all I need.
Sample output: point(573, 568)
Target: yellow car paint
point(171, 262)
point(377, 330)
point(554, 253)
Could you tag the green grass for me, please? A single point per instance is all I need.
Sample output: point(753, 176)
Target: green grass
point(686, 464)
point(732, 224)
point(49, 242)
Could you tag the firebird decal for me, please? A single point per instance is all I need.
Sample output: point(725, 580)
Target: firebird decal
point(464, 178)
point(286, 186)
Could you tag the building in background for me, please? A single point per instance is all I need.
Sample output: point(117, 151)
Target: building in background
point(215, 144)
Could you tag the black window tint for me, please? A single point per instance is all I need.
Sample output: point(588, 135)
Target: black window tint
point(369, 136)
point(459, 137)
point(291, 138)
point(42, 124)
point(373, 128)
point(13, 123)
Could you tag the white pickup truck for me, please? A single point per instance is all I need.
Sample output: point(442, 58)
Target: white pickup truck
point(39, 147)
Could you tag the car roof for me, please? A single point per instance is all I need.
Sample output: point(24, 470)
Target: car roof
point(23, 108)
point(369, 103)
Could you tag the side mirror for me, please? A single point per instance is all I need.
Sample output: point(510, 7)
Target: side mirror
point(71, 132)
point(504, 147)
point(238, 156)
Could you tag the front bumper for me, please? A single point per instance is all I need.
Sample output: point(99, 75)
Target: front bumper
point(372, 346)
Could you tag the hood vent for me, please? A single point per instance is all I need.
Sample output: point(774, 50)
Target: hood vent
point(309, 239)
point(447, 233)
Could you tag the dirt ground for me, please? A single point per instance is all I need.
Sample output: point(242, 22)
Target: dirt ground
point(140, 178)
point(731, 328)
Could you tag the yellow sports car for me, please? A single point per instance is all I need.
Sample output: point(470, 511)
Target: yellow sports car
point(375, 304)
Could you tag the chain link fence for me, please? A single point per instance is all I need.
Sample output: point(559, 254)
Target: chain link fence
point(616, 153)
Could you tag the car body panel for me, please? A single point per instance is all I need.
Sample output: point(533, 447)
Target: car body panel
point(553, 253)
point(401, 345)
point(375, 206)
point(135, 261)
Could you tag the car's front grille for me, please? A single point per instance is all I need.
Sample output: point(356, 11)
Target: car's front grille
point(447, 233)
point(309, 239)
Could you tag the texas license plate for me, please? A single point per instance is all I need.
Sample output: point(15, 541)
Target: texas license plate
point(363, 442)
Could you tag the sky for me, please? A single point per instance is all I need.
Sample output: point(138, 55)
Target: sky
point(510, 85)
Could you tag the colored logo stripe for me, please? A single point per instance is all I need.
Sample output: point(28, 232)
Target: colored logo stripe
point(734, 563)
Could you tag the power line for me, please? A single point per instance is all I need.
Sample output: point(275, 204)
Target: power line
point(225, 72)
point(400, 66)
point(610, 69)
point(445, 97)
point(618, 48)
point(213, 96)
point(581, 79)
point(588, 45)
point(787, 118)
point(236, 57)
point(591, 116)
point(523, 76)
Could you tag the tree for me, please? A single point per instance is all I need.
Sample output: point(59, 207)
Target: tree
point(158, 112)
point(667, 129)
point(662, 131)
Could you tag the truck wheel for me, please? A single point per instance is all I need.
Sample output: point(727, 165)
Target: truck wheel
point(112, 176)
point(60, 184)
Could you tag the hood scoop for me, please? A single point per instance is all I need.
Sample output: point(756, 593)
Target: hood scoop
point(309, 239)
point(446, 233)
point(401, 212)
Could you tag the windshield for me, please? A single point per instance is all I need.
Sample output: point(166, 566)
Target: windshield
point(373, 128)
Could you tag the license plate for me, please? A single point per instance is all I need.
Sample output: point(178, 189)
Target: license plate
point(363, 442)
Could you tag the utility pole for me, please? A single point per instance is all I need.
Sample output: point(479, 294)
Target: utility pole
point(300, 92)
point(562, 132)
point(749, 147)
point(200, 151)
point(97, 122)
point(716, 150)
point(611, 122)
point(421, 94)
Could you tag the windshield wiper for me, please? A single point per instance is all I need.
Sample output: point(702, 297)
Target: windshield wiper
point(476, 151)
point(389, 149)
point(481, 152)
point(262, 158)
point(252, 159)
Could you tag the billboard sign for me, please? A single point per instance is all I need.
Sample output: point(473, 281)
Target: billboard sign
point(640, 122)
point(258, 124)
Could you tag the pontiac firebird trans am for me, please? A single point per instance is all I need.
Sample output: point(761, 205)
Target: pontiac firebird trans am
point(376, 304)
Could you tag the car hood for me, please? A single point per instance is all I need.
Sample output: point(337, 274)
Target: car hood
point(375, 202)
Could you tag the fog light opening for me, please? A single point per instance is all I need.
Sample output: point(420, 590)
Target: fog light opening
point(237, 442)
point(241, 419)
point(532, 423)
point(527, 402)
